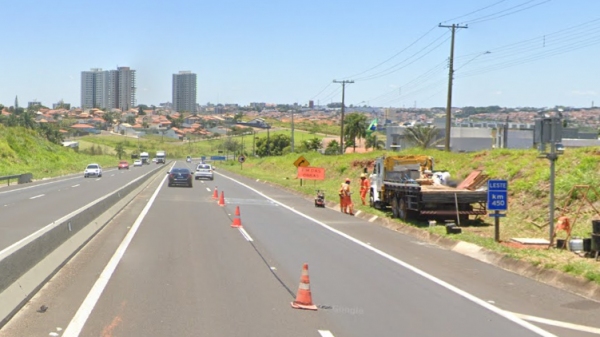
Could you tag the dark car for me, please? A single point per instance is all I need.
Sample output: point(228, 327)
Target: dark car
point(180, 176)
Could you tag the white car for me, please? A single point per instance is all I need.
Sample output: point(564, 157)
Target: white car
point(93, 170)
point(204, 171)
point(138, 162)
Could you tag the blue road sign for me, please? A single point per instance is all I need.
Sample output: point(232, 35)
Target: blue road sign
point(217, 157)
point(497, 198)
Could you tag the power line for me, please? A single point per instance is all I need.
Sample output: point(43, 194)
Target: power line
point(393, 56)
point(475, 11)
point(494, 16)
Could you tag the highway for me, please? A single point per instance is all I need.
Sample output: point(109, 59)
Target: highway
point(27, 208)
point(171, 265)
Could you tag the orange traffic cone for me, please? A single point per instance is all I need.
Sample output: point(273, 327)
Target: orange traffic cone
point(222, 199)
point(304, 297)
point(215, 194)
point(237, 222)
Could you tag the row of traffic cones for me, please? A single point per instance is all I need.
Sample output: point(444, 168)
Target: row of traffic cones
point(237, 222)
point(303, 296)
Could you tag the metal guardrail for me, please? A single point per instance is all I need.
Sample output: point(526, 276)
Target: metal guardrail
point(22, 178)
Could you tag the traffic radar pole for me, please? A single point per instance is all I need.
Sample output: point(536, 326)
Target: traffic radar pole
point(548, 131)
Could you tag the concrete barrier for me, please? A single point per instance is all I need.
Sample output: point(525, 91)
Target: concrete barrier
point(27, 264)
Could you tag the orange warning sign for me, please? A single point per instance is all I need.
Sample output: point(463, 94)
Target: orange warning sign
point(311, 173)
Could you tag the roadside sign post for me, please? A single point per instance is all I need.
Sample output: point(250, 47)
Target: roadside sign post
point(301, 162)
point(497, 200)
point(241, 159)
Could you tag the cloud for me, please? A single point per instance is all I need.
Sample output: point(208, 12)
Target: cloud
point(584, 93)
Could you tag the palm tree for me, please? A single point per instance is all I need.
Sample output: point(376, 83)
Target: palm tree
point(372, 142)
point(355, 127)
point(423, 136)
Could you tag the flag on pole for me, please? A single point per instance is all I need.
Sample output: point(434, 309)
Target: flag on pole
point(373, 126)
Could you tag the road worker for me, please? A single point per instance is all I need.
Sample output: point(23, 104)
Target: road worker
point(365, 186)
point(345, 198)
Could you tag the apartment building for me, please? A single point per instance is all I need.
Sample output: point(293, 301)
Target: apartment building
point(184, 92)
point(112, 89)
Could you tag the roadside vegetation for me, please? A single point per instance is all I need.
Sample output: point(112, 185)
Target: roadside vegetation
point(24, 150)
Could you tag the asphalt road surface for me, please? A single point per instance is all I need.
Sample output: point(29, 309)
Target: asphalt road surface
point(171, 265)
point(27, 208)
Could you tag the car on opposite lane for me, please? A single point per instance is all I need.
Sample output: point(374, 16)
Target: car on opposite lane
point(204, 171)
point(180, 176)
point(123, 164)
point(93, 170)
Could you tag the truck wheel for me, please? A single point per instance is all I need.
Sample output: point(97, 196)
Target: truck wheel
point(402, 211)
point(395, 207)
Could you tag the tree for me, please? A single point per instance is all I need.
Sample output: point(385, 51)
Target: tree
point(273, 146)
point(423, 136)
point(333, 148)
point(355, 127)
point(108, 117)
point(312, 144)
point(141, 111)
point(372, 142)
point(120, 150)
point(130, 120)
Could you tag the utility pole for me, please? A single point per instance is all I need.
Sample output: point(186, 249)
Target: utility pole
point(450, 78)
point(292, 139)
point(344, 82)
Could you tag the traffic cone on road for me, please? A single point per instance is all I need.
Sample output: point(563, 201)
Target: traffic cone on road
point(215, 193)
point(222, 199)
point(237, 222)
point(303, 296)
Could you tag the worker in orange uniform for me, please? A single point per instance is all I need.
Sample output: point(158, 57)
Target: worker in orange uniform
point(345, 198)
point(365, 186)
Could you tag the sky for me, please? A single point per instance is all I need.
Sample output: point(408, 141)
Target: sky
point(513, 53)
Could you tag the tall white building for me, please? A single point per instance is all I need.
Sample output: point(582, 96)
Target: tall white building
point(184, 92)
point(112, 89)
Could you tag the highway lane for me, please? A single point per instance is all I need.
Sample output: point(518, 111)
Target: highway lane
point(28, 208)
point(185, 273)
point(191, 260)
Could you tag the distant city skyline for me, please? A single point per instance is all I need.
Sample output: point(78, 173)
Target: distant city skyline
point(108, 89)
point(514, 53)
point(184, 92)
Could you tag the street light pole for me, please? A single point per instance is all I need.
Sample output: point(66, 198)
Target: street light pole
point(292, 139)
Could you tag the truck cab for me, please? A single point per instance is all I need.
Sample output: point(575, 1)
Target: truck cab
point(160, 157)
point(145, 157)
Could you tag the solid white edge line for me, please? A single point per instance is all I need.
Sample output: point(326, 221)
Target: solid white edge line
point(8, 250)
point(37, 196)
point(458, 291)
point(75, 185)
point(559, 324)
point(325, 333)
point(83, 313)
point(245, 234)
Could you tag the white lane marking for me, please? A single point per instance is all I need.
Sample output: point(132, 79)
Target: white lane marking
point(245, 234)
point(559, 324)
point(83, 313)
point(373, 218)
point(37, 196)
point(357, 213)
point(325, 333)
point(75, 185)
point(34, 186)
point(208, 189)
point(511, 317)
point(9, 250)
point(98, 179)
point(112, 175)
